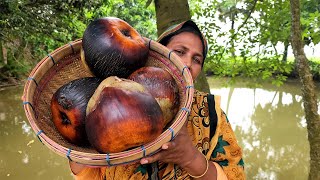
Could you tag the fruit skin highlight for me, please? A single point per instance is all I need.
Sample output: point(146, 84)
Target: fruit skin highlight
point(112, 47)
point(121, 115)
point(161, 85)
point(68, 108)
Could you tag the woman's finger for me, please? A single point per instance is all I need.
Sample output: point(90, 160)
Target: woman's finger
point(151, 159)
point(168, 146)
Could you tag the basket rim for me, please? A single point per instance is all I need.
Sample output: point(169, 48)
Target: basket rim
point(108, 159)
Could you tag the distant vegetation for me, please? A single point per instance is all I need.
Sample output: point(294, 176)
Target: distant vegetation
point(29, 30)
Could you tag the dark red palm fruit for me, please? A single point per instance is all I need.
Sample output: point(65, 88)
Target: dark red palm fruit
point(113, 48)
point(162, 87)
point(68, 108)
point(121, 115)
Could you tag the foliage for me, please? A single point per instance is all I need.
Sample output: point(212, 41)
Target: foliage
point(14, 65)
point(250, 37)
point(265, 70)
point(44, 25)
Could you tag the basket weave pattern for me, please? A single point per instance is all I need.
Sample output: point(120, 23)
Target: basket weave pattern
point(64, 65)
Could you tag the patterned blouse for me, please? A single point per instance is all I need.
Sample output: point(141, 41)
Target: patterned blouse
point(211, 133)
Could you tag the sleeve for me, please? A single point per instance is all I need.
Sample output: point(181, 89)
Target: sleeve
point(227, 153)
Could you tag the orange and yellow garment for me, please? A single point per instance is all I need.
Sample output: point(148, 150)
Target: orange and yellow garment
point(212, 136)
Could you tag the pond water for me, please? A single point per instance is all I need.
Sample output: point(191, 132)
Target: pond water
point(270, 125)
point(268, 121)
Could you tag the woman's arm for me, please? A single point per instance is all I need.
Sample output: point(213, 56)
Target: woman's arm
point(211, 170)
point(201, 168)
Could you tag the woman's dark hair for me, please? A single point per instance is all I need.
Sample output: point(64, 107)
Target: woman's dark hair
point(167, 39)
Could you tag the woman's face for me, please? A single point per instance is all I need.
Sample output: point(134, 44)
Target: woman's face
point(188, 47)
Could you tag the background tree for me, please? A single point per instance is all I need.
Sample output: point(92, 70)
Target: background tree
point(245, 37)
point(170, 12)
point(308, 92)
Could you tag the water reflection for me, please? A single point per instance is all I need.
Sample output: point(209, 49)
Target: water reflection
point(22, 156)
point(271, 128)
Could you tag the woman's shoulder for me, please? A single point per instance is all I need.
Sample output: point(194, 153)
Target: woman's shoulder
point(200, 96)
point(201, 93)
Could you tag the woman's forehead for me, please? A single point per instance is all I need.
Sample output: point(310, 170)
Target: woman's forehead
point(187, 39)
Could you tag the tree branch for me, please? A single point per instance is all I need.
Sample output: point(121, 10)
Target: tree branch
point(244, 22)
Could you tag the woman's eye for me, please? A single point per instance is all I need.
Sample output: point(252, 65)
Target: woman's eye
point(178, 52)
point(197, 60)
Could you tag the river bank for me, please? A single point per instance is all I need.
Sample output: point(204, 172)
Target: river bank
point(20, 82)
point(12, 82)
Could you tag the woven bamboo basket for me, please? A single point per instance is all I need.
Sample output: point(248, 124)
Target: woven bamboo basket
point(64, 65)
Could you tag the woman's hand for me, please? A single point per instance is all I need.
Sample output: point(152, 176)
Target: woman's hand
point(180, 151)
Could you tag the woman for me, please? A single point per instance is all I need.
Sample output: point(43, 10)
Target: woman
point(205, 147)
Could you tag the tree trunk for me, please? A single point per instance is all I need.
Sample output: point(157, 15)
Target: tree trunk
point(308, 92)
point(233, 14)
point(285, 52)
point(170, 12)
point(3, 54)
point(201, 83)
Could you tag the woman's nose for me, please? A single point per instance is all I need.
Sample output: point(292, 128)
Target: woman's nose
point(187, 61)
